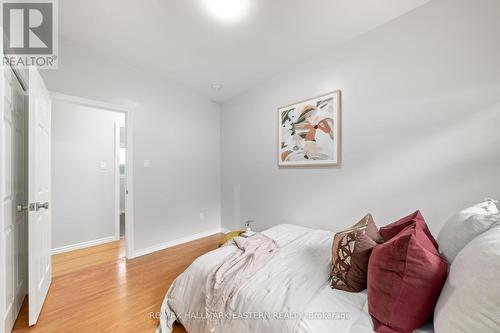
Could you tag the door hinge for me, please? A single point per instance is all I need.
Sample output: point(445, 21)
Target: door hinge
point(20, 208)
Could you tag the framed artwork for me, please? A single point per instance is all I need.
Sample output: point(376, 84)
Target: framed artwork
point(309, 132)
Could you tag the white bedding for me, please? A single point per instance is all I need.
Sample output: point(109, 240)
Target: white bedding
point(294, 285)
point(341, 301)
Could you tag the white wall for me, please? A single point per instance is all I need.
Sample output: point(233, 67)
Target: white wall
point(421, 115)
point(175, 128)
point(83, 204)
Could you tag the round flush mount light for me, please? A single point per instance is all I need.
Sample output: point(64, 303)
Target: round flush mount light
point(217, 86)
point(227, 10)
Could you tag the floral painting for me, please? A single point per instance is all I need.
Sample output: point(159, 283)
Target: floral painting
point(309, 132)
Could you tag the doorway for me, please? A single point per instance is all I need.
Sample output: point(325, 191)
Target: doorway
point(26, 187)
point(91, 176)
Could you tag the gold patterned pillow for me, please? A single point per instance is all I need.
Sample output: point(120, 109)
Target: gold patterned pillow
point(350, 254)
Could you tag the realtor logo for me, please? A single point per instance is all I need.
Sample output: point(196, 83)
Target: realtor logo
point(29, 33)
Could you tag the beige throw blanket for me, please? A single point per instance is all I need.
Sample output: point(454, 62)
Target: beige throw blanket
point(252, 254)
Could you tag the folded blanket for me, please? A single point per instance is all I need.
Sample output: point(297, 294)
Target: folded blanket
point(223, 281)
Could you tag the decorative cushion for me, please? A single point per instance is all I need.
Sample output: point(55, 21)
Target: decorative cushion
point(416, 219)
point(470, 300)
point(405, 277)
point(350, 254)
point(230, 235)
point(466, 225)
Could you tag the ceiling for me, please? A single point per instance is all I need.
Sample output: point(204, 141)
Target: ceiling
point(181, 40)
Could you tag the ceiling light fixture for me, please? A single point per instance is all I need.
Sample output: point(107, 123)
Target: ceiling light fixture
point(227, 10)
point(217, 86)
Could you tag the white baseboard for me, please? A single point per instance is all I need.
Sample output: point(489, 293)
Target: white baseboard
point(166, 245)
point(224, 230)
point(82, 245)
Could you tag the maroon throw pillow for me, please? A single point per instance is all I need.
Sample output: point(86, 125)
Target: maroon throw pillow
point(416, 219)
point(405, 277)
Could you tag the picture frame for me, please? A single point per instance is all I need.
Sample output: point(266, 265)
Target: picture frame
point(309, 132)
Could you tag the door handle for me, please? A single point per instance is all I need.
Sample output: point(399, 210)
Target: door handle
point(40, 205)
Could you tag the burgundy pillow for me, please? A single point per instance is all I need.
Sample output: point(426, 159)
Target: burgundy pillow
point(416, 218)
point(405, 277)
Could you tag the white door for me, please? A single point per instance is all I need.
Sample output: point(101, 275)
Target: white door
point(14, 195)
point(39, 220)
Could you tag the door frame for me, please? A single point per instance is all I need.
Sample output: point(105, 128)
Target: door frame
point(118, 179)
point(2, 189)
point(116, 167)
point(129, 178)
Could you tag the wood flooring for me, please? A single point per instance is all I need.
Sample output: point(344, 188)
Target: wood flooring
point(97, 290)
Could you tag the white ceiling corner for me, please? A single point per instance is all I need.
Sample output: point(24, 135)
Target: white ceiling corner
point(184, 43)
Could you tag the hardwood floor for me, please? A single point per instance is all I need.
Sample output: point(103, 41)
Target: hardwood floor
point(98, 290)
point(78, 260)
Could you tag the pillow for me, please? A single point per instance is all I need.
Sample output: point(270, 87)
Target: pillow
point(350, 253)
point(405, 277)
point(464, 226)
point(230, 235)
point(470, 300)
point(416, 219)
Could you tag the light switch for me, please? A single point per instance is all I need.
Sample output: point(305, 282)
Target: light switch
point(147, 163)
point(103, 166)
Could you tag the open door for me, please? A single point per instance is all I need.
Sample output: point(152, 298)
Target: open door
point(39, 220)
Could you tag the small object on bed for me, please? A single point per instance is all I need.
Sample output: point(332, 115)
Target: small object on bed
point(464, 226)
point(350, 254)
point(405, 276)
point(248, 231)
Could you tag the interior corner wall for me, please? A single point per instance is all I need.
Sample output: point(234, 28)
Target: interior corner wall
point(420, 115)
point(83, 190)
point(176, 129)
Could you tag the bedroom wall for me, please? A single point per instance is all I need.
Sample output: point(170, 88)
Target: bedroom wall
point(83, 204)
point(176, 129)
point(421, 108)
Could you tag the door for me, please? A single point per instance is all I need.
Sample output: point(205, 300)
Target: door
point(39, 219)
point(14, 196)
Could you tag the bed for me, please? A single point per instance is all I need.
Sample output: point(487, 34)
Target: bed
point(290, 294)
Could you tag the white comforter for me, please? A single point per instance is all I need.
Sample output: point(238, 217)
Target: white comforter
point(290, 294)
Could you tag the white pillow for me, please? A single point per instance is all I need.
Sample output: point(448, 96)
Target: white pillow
point(464, 226)
point(470, 299)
